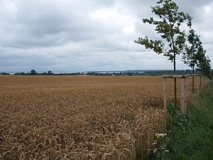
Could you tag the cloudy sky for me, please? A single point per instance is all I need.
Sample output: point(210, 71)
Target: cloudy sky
point(88, 35)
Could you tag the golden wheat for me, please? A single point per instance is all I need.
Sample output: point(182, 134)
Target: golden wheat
point(80, 117)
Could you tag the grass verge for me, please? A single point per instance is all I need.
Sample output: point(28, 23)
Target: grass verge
point(190, 136)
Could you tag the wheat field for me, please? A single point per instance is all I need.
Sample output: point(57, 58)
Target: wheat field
point(80, 117)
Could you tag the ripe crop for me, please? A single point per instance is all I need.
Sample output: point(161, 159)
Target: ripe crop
point(79, 117)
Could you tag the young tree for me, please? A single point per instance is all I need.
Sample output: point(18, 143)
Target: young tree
point(203, 63)
point(191, 52)
point(168, 26)
point(206, 68)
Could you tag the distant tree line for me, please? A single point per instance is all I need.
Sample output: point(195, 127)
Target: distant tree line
point(4, 73)
point(121, 73)
point(144, 73)
point(33, 72)
point(124, 73)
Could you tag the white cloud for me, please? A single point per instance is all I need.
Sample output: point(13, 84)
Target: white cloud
point(128, 29)
point(87, 35)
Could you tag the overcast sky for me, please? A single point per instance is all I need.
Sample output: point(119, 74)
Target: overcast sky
point(88, 35)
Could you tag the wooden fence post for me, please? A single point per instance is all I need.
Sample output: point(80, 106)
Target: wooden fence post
point(164, 93)
point(187, 85)
point(183, 90)
point(202, 81)
point(183, 95)
point(197, 83)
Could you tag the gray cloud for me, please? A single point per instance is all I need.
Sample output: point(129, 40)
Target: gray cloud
point(87, 35)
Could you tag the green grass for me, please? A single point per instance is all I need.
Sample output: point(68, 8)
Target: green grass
point(190, 136)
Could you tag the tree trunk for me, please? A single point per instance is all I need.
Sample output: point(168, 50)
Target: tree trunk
point(193, 79)
point(175, 82)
